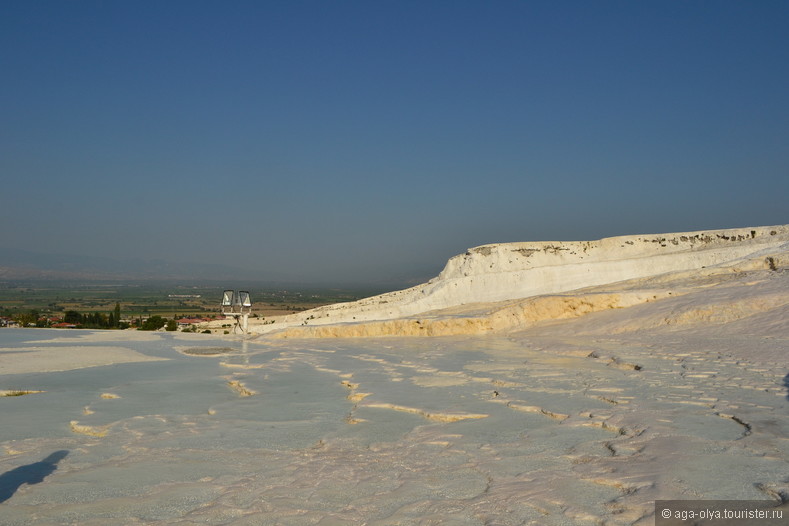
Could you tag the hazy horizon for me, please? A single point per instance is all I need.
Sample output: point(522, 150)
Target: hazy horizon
point(369, 142)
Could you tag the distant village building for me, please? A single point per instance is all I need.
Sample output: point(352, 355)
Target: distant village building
point(185, 322)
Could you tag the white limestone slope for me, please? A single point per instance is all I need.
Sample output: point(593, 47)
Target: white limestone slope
point(509, 271)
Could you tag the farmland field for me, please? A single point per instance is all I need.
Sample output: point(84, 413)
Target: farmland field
point(168, 300)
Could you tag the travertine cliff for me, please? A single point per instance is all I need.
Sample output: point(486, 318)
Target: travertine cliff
point(515, 271)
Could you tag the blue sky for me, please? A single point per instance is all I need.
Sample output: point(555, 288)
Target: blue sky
point(371, 140)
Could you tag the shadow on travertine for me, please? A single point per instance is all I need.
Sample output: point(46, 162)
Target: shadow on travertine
point(786, 384)
point(10, 481)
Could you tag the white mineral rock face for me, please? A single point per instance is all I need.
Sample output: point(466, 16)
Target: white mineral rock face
point(508, 271)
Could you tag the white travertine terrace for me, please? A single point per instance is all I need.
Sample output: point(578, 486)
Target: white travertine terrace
point(510, 271)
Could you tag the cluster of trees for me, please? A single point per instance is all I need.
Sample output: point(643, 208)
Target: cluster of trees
point(28, 319)
point(156, 322)
point(96, 320)
point(99, 320)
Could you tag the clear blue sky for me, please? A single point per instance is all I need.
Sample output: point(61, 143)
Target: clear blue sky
point(371, 140)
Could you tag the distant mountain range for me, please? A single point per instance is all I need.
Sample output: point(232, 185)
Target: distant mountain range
point(18, 264)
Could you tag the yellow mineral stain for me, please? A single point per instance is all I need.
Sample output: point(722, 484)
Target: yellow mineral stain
point(437, 417)
point(240, 388)
point(93, 431)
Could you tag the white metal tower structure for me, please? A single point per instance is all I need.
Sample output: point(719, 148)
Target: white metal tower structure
point(237, 304)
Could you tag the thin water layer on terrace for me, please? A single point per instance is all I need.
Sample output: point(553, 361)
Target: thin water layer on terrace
point(504, 430)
